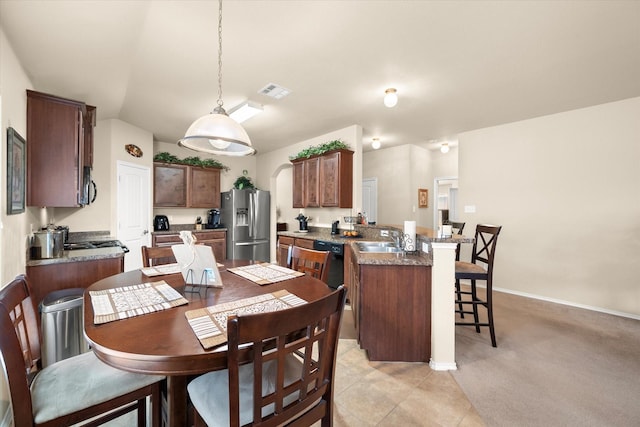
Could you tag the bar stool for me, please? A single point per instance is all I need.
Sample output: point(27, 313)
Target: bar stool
point(484, 249)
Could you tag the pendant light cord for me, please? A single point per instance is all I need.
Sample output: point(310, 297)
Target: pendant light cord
point(220, 102)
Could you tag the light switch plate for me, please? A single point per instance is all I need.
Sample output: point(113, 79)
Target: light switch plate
point(425, 247)
point(470, 209)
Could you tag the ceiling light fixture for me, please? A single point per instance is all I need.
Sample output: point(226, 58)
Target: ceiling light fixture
point(375, 144)
point(245, 111)
point(217, 133)
point(390, 97)
point(444, 148)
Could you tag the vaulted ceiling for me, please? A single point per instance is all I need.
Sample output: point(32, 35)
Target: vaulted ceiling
point(457, 65)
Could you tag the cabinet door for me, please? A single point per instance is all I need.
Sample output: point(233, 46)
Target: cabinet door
point(169, 185)
point(298, 185)
point(312, 182)
point(283, 249)
point(204, 188)
point(217, 240)
point(336, 179)
point(55, 147)
point(304, 243)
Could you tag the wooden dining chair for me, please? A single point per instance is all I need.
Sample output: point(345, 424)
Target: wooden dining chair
point(72, 390)
point(484, 250)
point(309, 261)
point(291, 387)
point(157, 255)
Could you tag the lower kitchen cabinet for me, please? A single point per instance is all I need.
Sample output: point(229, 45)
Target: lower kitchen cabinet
point(217, 239)
point(392, 309)
point(282, 252)
point(47, 278)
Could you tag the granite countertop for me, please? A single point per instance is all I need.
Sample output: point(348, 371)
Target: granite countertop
point(373, 233)
point(177, 228)
point(79, 255)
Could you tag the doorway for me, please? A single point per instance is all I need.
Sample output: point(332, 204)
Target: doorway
point(133, 207)
point(445, 200)
point(370, 198)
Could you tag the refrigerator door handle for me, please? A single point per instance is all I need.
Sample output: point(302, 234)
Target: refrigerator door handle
point(253, 243)
point(252, 214)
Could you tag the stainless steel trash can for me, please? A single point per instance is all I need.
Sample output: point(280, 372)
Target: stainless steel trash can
point(62, 330)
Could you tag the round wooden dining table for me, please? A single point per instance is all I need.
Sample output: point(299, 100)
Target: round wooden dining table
point(163, 342)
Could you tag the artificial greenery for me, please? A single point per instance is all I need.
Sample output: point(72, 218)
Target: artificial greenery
point(243, 182)
point(166, 157)
point(314, 150)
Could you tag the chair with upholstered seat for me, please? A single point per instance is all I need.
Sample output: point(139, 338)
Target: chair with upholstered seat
point(484, 249)
point(291, 387)
point(72, 390)
point(309, 261)
point(157, 255)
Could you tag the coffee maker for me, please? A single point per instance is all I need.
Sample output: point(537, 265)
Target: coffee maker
point(213, 219)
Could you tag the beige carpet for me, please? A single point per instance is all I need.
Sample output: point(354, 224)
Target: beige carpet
point(554, 366)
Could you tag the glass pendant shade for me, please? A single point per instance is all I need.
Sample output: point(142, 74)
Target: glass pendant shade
point(390, 98)
point(217, 133)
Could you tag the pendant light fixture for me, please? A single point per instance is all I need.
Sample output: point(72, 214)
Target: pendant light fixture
point(217, 133)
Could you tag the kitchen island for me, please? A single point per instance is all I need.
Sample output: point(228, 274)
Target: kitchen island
point(400, 301)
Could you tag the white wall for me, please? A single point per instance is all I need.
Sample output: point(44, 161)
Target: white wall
point(401, 171)
point(565, 187)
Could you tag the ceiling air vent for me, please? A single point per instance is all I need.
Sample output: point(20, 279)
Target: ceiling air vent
point(274, 91)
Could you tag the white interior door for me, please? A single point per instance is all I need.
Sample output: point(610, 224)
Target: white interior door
point(133, 211)
point(370, 198)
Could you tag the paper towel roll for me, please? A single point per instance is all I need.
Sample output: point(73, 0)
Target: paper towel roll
point(409, 235)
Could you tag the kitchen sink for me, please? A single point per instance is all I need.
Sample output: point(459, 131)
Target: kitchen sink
point(378, 247)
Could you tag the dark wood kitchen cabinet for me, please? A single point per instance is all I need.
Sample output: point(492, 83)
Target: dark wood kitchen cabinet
point(323, 181)
point(217, 239)
point(392, 310)
point(47, 278)
point(59, 150)
point(336, 179)
point(306, 183)
point(185, 186)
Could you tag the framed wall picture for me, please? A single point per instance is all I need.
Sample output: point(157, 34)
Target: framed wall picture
point(16, 167)
point(423, 198)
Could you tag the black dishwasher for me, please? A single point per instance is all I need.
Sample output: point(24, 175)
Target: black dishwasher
point(336, 265)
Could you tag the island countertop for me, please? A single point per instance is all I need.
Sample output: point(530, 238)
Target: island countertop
point(373, 233)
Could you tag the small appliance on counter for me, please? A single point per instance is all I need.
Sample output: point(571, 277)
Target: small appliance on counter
point(303, 220)
point(213, 219)
point(334, 227)
point(160, 223)
point(47, 244)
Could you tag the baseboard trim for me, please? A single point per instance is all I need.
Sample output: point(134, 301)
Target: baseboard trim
point(440, 366)
point(569, 303)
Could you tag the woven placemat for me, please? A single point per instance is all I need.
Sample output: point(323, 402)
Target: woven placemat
point(135, 300)
point(210, 323)
point(265, 273)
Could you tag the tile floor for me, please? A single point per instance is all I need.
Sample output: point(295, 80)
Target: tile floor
point(389, 394)
point(396, 394)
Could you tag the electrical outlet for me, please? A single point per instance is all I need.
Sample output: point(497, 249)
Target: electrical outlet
point(384, 233)
point(470, 209)
point(425, 247)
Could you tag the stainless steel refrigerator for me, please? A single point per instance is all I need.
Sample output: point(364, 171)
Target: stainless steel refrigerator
point(245, 213)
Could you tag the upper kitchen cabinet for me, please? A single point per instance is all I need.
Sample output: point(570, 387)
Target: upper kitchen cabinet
point(336, 179)
point(59, 150)
point(323, 181)
point(177, 185)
